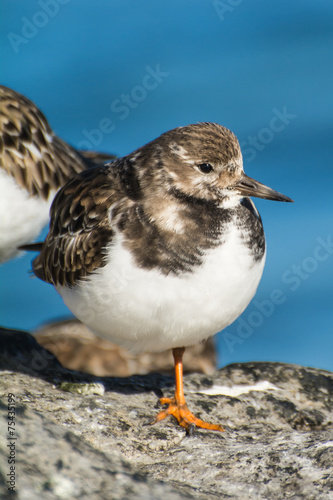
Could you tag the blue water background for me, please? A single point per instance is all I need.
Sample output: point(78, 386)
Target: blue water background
point(239, 66)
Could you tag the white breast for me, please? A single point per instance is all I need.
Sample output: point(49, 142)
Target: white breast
point(22, 217)
point(144, 310)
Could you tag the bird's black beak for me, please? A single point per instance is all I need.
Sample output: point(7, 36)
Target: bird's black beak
point(249, 187)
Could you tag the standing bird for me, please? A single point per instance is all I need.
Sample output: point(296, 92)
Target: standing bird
point(34, 164)
point(162, 248)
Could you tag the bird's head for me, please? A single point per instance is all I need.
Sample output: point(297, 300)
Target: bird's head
point(201, 161)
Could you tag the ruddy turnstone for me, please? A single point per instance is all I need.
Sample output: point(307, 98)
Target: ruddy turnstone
point(34, 164)
point(162, 248)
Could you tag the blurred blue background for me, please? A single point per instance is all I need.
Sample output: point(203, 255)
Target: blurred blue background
point(263, 69)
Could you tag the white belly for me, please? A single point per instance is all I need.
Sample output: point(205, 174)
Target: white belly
point(143, 310)
point(22, 217)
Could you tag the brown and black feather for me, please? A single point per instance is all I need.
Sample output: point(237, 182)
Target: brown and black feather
point(31, 153)
point(132, 197)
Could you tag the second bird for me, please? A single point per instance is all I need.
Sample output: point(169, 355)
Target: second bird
point(34, 164)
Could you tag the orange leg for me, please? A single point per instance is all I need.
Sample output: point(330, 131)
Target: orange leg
point(177, 405)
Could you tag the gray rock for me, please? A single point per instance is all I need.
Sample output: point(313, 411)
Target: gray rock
point(92, 439)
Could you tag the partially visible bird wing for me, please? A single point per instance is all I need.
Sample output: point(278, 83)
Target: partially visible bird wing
point(79, 228)
point(39, 161)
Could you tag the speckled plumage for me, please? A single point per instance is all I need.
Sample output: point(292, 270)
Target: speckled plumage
point(34, 164)
point(135, 197)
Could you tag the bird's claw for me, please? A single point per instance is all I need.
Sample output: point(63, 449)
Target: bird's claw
point(184, 417)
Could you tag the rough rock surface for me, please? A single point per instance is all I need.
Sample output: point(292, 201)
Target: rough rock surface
point(79, 436)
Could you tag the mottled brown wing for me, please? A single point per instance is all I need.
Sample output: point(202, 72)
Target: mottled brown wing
point(39, 161)
point(79, 228)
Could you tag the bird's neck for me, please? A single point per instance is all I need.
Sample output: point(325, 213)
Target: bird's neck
point(182, 214)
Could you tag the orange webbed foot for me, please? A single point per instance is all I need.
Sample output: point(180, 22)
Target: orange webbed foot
point(184, 417)
point(177, 406)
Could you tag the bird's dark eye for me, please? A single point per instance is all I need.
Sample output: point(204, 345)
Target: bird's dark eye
point(205, 168)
